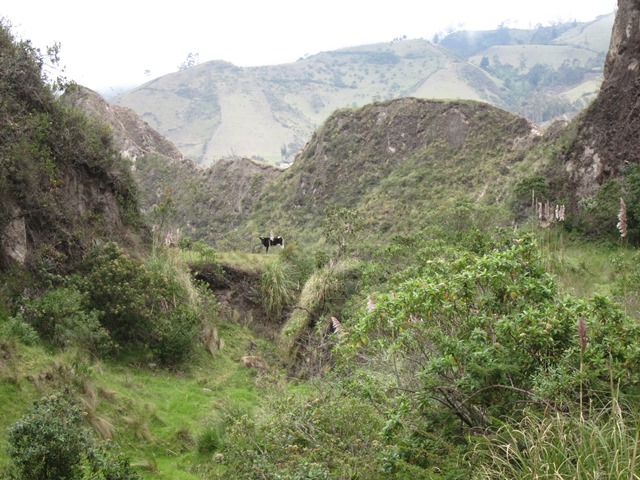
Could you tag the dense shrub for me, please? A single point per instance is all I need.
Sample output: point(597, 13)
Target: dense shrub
point(119, 287)
point(141, 305)
point(62, 319)
point(479, 334)
point(16, 327)
point(329, 433)
point(50, 443)
point(174, 334)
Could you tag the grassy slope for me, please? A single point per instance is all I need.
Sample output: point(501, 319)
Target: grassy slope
point(156, 416)
point(395, 161)
point(216, 110)
point(552, 55)
point(594, 35)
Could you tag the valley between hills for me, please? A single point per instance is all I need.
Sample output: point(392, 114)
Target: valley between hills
point(455, 296)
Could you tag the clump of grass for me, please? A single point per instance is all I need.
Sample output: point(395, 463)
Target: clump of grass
point(138, 427)
point(322, 297)
point(564, 446)
point(278, 288)
point(211, 439)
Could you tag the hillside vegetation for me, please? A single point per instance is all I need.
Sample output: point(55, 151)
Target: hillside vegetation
point(455, 298)
point(217, 110)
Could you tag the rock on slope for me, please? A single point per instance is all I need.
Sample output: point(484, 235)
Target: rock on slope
point(209, 202)
point(607, 133)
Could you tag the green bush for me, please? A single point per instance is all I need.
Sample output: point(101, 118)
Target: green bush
point(153, 306)
point(62, 318)
point(120, 288)
point(16, 327)
point(174, 334)
point(49, 442)
point(479, 334)
point(329, 433)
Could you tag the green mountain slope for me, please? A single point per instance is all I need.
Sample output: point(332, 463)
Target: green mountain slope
point(63, 184)
point(401, 164)
point(217, 110)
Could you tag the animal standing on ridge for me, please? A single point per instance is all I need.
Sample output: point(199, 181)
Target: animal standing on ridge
point(267, 242)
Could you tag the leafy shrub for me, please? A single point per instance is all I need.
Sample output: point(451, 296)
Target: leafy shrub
point(153, 306)
point(17, 327)
point(174, 333)
point(480, 333)
point(49, 442)
point(327, 434)
point(61, 317)
point(119, 287)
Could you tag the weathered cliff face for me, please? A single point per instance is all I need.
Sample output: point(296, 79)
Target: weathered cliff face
point(62, 185)
point(131, 134)
point(206, 201)
point(607, 133)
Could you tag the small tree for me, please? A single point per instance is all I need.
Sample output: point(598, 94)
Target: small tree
point(50, 443)
point(192, 60)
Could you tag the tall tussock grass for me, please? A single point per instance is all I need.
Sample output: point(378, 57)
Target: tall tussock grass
point(304, 334)
point(602, 445)
point(278, 288)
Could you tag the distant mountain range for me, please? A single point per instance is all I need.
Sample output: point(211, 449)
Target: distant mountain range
point(216, 110)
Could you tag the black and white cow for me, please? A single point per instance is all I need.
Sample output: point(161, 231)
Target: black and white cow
point(267, 242)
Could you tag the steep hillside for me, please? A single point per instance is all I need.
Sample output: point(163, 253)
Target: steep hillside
point(402, 164)
point(205, 203)
point(63, 186)
point(217, 110)
point(606, 137)
point(131, 134)
point(399, 163)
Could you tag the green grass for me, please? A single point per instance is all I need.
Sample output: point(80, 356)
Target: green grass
point(582, 268)
point(155, 415)
point(246, 261)
point(561, 446)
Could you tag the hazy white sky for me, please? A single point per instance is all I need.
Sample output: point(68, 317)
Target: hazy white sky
point(106, 45)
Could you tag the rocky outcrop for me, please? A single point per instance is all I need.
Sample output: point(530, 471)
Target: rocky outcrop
point(132, 136)
point(63, 187)
point(607, 133)
point(206, 201)
point(13, 237)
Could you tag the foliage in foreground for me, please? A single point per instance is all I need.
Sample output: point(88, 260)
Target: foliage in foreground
point(318, 434)
point(117, 304)
point(50, 443)
point(601, 444)
point(49, 148)
point(480, 333)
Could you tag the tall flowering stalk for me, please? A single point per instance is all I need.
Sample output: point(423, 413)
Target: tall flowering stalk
point(622, 219)
point(582, 333)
